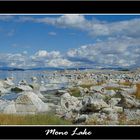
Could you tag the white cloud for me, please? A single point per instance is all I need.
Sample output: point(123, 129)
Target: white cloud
point(6, 17)
point(52, 33)
point(50, 59)
point(41, 53)
point(71, 20)
point(93, 26)
point(119, 52)
point(59, 62)
point(45, 54)
point(118, 43)
point(112, 52)
point(74, 20)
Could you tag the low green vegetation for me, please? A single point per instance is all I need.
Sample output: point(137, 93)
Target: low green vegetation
point(16, 90)
point(38, 119)
point(75, 92)
point(31, 86)
point(86, 85)
point(113, 88)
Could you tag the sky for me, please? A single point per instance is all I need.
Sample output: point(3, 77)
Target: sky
point(70, 40)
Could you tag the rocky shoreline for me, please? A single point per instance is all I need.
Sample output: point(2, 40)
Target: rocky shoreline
point(90, 98)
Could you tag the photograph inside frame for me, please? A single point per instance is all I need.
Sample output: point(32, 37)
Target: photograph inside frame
point(67, 72)
point(70, 69)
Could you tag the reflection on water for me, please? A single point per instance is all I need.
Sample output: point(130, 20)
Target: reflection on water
point(10, 96)
point(42, 76)
point(22, 75)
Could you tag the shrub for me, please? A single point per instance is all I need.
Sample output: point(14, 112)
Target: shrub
point(126, 83)
point(75, 92)
point(16, 90)
point(138, 91)
point(86, 85)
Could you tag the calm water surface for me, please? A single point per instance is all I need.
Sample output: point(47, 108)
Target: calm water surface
point(20, 75)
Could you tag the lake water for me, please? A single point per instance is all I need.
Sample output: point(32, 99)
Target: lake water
point(26, 75)
point(20, 75)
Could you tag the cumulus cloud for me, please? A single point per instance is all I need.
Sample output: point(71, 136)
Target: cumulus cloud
point(93, 26)
point(59, 62)
point(46, 54)
point(123, 52)
point(112, 52)
point(50, 59)
point(118, 44)
point(41, 53)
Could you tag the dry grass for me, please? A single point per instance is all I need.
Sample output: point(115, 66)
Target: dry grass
point(138, 91)
point(124, 121)
point(41, 119)
point(99, 83)
point(86, 85)
point(44, 119)
point(11, 119)
point(126, 83)
point(121, 121)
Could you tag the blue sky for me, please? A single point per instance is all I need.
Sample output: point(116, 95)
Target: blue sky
point(70, 40)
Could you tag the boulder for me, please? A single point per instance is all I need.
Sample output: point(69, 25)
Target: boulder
point(113, 116)
point(21, 88)
point(110, 92)
point(3, 90)
point(23, 82)
point(1, 83)
point(113, 119)
point(93, 104)
point(35, 86)
point(68, 115)
point(97, 89)
point(30, 102)
point(97, 118)
point(118, 109)
point(114, 101)
point(98, 95)
point(7, 83)
point(60, 92)
point(69, 102)
point(132, 114)
point(10, 109)
point(86, 90)
point(114, 109)
point(60, 112)
point(81, 118)
point(128, 101)
point(108, 110)
point(39, 95)
point(7, 107)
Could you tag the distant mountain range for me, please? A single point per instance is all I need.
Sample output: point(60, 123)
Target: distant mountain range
point(39, 68)
point(11, 69)
point(54, 68)
point(119, 69)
